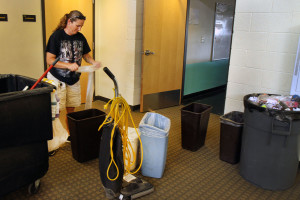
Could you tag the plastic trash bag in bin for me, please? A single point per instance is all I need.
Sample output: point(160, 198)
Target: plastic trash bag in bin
point(134, 140)
point(231, 136)
point(154, 129)
point(60, 134)
point(90, 85)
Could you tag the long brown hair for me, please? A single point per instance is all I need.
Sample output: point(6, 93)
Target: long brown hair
point(73, 16)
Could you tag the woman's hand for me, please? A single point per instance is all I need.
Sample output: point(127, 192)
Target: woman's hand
point(97, 64)
point(90, 60)
point(73, 67)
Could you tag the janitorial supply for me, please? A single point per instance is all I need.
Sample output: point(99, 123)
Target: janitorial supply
point(115, 157)
point(194, 123)
point(231, 130)
point(45, 73)
point(90, 69)
point(134, 187)
point(269, 151)
point(26, 126)
point(154, 130)
point(134, 141)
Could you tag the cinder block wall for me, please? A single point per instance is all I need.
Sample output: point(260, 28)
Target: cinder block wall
point(264, 46)
point(118, 45)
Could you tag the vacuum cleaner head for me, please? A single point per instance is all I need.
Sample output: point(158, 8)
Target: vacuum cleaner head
point(134, 187)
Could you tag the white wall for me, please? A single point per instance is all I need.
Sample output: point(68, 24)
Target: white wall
point(21, 43)
point(264, 46)
point(118, 44)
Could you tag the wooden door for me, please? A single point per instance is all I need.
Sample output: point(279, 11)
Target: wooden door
point(55, 10)
point(163, 46)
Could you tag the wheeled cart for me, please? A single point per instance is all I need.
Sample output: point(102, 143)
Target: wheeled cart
point(25, 124)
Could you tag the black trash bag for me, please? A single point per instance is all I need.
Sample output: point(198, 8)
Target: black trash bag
point(112, 188)
point(234, 118)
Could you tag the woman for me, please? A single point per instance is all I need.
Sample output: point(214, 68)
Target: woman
point(71, 46)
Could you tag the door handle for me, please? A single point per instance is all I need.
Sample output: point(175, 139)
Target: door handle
point(147, 52)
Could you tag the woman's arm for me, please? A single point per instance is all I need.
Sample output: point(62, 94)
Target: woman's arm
point(62, 65)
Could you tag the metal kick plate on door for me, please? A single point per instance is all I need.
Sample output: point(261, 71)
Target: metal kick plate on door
point(161, 100)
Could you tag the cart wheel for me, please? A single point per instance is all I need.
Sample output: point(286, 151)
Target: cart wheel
point(34, 187)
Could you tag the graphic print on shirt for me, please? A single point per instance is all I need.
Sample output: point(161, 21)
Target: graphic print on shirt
point(68, 50)
point(78, 49)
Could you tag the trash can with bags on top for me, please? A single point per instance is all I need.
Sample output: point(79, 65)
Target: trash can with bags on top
point(194, 122)
point(154, 129)
point(231, 136)
point(269, 153)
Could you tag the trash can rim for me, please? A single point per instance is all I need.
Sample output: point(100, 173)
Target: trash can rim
point(223, 118)
point(69, 115)
point(196, 103)
point(167, 127)
point(209, 108)
point(155, 128)
point(230, 121)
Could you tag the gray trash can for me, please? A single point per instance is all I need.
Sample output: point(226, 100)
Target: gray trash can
point(269, 152)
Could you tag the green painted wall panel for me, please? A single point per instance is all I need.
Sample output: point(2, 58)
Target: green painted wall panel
point(205, 75)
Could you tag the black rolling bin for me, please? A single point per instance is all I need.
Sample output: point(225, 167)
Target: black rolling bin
point(26, 125)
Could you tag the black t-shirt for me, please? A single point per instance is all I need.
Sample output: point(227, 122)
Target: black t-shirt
point(70, 49)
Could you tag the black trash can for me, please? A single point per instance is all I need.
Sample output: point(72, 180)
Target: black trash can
point(85, 137)
point(269, 153)
point(231, 136)
point(194, 121)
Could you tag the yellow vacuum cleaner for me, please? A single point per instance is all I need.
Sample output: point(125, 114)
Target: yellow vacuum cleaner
point(114, 157)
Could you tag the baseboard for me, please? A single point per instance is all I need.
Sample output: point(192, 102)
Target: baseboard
point(134, 108)
point(101, 98)
point(204, 93)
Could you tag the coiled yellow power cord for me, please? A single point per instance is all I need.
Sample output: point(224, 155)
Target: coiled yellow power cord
point(119, 113)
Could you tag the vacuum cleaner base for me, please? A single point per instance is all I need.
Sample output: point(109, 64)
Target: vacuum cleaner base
point(134, 187)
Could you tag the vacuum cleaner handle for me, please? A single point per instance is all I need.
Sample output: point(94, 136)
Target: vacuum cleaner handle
point(109, 73)
point(112, 76)
point(44, 74)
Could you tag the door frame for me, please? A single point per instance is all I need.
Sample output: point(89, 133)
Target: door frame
point(44, 32)
point(185, 48)
point(189, 96)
